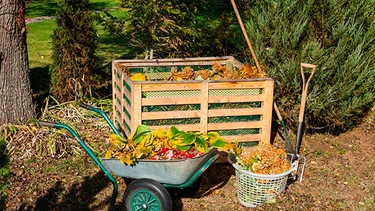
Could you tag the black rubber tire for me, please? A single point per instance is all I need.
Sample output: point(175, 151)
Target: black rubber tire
point(147, 194)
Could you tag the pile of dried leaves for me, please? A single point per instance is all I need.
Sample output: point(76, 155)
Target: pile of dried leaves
point(217, 72)
point(265, 158)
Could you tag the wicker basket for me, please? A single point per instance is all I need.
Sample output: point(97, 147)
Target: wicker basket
point(256, 189)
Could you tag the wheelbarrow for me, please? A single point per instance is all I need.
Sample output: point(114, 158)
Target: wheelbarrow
point(151, 178)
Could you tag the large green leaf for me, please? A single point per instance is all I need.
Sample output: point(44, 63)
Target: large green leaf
point(187, 138)
point(218, 142)
point(139, 133)
point(201, 144)
point(183, 148)
point(173, 132)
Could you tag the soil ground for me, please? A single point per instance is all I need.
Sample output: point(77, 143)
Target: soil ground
point(51, 172)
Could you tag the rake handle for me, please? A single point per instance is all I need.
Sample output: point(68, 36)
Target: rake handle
point(246, 36)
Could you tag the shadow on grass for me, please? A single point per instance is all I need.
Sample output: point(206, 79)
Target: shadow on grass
point(214, 178)
point(79, 197)
point(40, 81)
point(38, 8)
point(84, 195)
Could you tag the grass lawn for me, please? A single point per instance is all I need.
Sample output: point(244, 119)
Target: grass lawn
point(39, 43)
point(37, 8)
point(39, 40)
point(39, 33)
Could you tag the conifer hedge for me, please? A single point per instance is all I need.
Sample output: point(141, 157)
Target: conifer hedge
point(336, 35)
point(74, 44)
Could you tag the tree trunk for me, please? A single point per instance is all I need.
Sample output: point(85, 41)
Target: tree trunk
point(16, 104)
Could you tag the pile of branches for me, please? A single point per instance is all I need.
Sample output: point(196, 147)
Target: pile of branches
point(30, 140)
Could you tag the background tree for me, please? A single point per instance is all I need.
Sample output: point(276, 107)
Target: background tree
point(16, 96)
point(166, 27)
point(74, 44)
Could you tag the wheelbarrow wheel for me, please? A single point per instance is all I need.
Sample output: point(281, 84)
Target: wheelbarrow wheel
point(147, 194)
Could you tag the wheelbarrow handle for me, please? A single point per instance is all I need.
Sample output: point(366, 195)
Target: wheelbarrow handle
point(46, 123)
point(85, 106)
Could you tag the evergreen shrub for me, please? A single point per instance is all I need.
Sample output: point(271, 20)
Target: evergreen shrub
point(74, 44)
point(336, 35)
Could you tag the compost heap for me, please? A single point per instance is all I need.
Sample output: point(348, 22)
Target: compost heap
point(161, 144)
point(218, 72)
point(265, 158)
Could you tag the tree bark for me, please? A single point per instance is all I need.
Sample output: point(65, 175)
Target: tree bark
point(16, 104)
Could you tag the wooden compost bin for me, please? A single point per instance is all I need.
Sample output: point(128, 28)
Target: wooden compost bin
point(237, 109)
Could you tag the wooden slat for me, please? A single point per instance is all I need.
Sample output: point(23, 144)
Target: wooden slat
point(171, 101)
point(204, 107)
point(234, 125)
point(267, 115)
point(136, 106)
point(235, 112)
point(170, 115)
point(175, 61)
point(184, 127)
point(170, 85)
point(238, 84)
point(243, 138)
point(237, 99)
point(115, 93)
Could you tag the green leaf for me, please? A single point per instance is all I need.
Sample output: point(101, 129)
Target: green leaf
point(183, 148)
point(173, 132)
point(218, 142)
point(187, 138)
point(201, 144)
point(139, 133)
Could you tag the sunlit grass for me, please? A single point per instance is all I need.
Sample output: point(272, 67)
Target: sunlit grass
point(39, 43)
point(37, 8)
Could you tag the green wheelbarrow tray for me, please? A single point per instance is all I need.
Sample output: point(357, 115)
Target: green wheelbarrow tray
point(169, 172)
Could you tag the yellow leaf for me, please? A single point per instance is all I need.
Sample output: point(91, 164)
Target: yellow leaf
point(160, 133)
point(116, 139)
point(138, 77)
point(127, 159)
point(108, 154)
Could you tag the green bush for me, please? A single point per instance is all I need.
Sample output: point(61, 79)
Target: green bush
point(177, 28)
point(74, 44)
point(166, 27)
point(336, 35)
point(4, 171)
